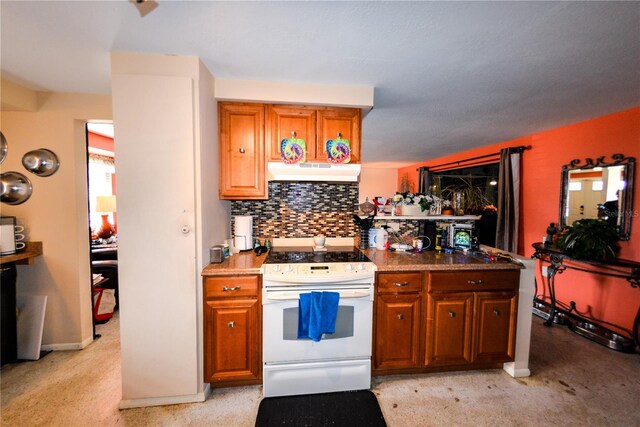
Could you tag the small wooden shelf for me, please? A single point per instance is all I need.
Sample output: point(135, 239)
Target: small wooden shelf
point(427, 217)
point(25, 256)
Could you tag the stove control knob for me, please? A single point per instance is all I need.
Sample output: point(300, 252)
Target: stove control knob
point(288, 268)
point(276, 268)
point(360, 266)
point(348, 267)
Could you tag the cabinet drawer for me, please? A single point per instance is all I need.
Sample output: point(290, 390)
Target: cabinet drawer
point(231, 286)
point(399, 282)
point(474, 280)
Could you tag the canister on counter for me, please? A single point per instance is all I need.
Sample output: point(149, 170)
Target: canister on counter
point(216, 254)
point(225, 250)
point(438, 245)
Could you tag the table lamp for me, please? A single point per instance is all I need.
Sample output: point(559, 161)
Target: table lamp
point(105, 205)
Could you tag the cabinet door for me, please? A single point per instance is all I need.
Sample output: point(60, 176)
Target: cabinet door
point(449, 317)
point(495, 326)
point(242, 152)
point(231, 340)
point(345, 121)
point(397, 331)
point(283, 120)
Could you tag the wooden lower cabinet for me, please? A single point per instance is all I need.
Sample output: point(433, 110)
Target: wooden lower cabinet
point(232, 335)
point(463, 320)
point(397, 331)
point(449, 318)
point(471, 318)
point(495, 326)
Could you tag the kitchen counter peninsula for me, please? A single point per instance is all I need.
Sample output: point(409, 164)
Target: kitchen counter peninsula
point(432, 261)
point(249, 263)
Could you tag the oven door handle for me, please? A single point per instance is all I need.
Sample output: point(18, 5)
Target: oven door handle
point(286, 296)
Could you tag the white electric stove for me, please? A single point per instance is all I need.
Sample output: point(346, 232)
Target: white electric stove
point(338, 362)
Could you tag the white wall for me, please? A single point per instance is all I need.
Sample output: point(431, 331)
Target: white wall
point(376, 182)
point(212, 215)
point(57, 212)
point(162, 358)
point(295, 93)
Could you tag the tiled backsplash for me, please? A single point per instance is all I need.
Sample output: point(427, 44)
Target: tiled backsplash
point(302, 210)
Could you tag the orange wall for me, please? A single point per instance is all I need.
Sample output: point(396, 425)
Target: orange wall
point(608, 299)
point(100, 141)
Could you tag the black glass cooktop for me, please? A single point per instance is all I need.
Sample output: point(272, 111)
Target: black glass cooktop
point(299, 255)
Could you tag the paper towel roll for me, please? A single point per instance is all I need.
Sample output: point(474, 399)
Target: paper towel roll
point(243, 239)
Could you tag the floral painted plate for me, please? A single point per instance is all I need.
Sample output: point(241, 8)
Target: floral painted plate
point(338, 151)
point(293, 150)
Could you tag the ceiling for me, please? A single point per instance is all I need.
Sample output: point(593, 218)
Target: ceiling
point(448, 76)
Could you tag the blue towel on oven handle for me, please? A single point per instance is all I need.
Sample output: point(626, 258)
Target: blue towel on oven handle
point(317, 313)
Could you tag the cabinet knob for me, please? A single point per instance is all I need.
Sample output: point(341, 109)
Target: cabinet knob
point(496, 312)
point(242, 150)
point(293, 134)
point(474, 282)
point(452, 314)
point(400, 284)
point(400, 316)
point(232, 324)
point(234, 288)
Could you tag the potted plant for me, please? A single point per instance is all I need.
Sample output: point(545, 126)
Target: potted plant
point(412, 203)
point(471, 196)
point(590, 239)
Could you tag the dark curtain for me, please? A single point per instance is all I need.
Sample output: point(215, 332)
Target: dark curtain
point(508, 200)
point(425, 178)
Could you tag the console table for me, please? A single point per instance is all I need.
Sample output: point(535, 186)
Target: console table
point(559, 262)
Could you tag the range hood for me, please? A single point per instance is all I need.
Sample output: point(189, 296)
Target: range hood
point(326, 172)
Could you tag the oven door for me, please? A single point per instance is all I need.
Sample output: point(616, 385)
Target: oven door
point(352, 338)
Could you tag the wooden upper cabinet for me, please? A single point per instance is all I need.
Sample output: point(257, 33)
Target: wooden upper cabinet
point(316, 125)
point(282, 120)
point(242, 151)
point(345, 121)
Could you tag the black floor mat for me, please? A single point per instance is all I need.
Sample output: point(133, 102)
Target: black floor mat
point(349, 408)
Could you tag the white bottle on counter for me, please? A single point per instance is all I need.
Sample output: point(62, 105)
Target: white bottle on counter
point(382, 237)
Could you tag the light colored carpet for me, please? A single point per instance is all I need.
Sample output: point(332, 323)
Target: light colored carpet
point(575, 383)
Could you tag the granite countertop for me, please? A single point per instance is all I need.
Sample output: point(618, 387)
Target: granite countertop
point(249, 263)
point(432, 260)
point(242, 263)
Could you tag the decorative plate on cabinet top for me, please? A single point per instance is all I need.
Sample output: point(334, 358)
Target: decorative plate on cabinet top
point(4, 147)
point(41, 162)
point(293, 150)
point(338, 150)
point(15, 188)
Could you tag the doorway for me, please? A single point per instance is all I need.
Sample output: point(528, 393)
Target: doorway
point(102, 211)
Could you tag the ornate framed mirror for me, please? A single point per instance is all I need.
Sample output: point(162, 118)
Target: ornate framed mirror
point(598, 189)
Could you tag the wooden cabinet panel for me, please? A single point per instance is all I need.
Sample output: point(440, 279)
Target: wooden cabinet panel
point(231, 286)
point(397, 331)
point(449, 321)
point(242, 151)
point(345, 121)
point(495, 326)
point(473, 281)
point(282, 120)
point(399, 282)
point(232, 345)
